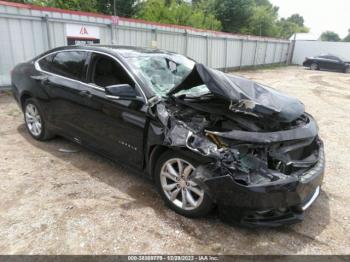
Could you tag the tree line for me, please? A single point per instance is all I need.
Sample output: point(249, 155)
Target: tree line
point(255, 17)
point(334, 37)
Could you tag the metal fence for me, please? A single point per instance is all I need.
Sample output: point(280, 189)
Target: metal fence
point(26, 31)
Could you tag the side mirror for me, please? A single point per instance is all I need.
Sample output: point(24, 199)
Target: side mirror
point(121, 92)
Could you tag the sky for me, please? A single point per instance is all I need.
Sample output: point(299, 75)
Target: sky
point(319, 15)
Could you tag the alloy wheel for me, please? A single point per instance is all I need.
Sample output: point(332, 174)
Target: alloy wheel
point(33, 120)
point(178, 186)
point(314, 66)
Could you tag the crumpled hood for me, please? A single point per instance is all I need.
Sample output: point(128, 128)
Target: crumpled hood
point(243, 94)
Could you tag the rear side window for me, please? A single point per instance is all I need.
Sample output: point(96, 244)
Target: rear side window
point(69, 64)
point(334, 58)
point(45, 62)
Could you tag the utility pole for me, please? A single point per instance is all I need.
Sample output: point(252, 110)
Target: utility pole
point(260, 29)
point(115, 21)
point(115, 8)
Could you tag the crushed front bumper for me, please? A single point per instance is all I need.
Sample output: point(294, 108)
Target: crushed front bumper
point(274, 204)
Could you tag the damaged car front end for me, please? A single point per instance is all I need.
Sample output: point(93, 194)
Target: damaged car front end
point(261, 159)
point(265, 159)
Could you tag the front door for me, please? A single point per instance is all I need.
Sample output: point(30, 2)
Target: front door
point(114, 127)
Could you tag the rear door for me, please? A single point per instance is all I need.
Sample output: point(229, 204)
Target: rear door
point(332, 63)
point(322, 62)
point(336, 63)
point(65, 72)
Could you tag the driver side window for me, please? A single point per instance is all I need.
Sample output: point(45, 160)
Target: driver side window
point(105, 71)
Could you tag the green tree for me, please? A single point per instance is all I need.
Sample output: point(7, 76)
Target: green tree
point(330, 36)
point(347, 38)
point(124, 8)
point(257, 17)
point(296, 19)
point(17, 1)
point(77, 5)
point(263, 21)
point(177, 12)
point(293, 24)
point(286, 28)
point(234, 14)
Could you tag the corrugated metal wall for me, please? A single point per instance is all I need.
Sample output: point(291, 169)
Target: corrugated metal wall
point(26, 32)
point(313, 48)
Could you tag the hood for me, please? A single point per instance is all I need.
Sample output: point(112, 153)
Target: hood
point(244, 95)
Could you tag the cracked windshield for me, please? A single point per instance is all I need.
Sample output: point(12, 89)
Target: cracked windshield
point(165, 71)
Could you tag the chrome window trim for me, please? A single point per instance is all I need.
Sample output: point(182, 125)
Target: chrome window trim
point(37, 67)
point(312, 199)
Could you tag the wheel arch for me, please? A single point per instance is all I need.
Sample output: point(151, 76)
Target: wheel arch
point(315, 62)
point(157, 150)
point(24, 96)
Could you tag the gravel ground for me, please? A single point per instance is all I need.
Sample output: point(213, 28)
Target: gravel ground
point(80, 203)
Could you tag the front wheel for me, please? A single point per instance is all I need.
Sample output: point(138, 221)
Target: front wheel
point(178, 190)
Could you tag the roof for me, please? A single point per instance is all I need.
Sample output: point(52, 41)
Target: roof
point(118, 48)
point(304, 37)
point(124, 51)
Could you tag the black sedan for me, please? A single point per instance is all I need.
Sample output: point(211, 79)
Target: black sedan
point(206, 138)
point(327, 62)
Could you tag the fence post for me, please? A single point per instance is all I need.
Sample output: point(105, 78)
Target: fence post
point(207, 47)
point(241, 57)
point(291, 47)
point(255, 52)
point(112, 33)
point(116, 38)
point(46, 21)
point(154, 43)
point(282, 51)
point(265, 54)
point(226, 54)
point(186, 43)
point(274, 53)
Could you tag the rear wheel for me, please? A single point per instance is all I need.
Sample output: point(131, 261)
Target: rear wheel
point(178, 190)
point(35, 121)
point(314, 66)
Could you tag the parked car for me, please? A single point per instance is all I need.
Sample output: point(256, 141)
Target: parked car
point(207, 139)
point(327, 62)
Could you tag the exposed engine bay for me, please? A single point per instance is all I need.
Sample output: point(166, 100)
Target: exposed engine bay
point(252, 147)
point(249, 158)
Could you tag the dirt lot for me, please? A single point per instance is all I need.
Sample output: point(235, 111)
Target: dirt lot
point(79, 203)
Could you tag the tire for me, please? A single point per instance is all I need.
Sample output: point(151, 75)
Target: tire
point(35, 121)
point(197, 202)
point(314, 66)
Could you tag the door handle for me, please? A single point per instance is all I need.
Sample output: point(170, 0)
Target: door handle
point(85, 93)
point(39, 77)
point(44, 79)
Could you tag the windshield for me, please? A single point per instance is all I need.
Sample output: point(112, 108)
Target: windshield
point(163, 71)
